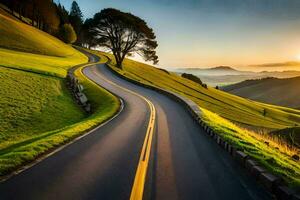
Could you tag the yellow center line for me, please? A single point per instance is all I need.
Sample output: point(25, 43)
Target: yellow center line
point(140, 175)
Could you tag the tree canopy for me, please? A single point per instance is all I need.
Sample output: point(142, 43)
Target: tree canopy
point(124, 34)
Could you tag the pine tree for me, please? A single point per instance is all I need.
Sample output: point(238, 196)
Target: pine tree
point(76, 19)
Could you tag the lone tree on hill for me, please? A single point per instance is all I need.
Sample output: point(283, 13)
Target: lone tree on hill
point(124, 34)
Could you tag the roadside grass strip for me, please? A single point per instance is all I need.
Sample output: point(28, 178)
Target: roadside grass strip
point(274, 154)
point(37, 112)
point(271, 152)
point(104, 106)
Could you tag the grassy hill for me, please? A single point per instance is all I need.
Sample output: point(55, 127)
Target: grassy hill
point(37, 112)
point(229, 106)
point(31, 104)
point(25, 47)
point(269, 90)
point(220, 109)
point(224, 76)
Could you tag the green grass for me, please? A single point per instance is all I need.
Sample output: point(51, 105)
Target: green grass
point(231, 110)
point(22, 37)
point(31, 104)
point(234, 108)
point(271, 152)
point(25, 47)
point(269, 90)
point(22, 151)
point(37, 112)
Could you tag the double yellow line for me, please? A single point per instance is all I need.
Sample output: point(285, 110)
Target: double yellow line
point(140, 176)
point(137, 190)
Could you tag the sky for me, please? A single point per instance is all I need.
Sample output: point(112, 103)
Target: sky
point(207, 33)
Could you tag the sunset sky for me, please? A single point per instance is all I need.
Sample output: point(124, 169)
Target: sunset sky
point(204, 33)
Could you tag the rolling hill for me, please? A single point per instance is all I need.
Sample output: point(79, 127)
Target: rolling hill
point(225, 113)
point(283, 92)
point(214, 71)
point(33, 103)
point(224, 75)
point(25, 47)
point(37, 111)
point(229, 106)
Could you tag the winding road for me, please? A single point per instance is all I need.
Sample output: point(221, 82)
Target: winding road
point(184, 162)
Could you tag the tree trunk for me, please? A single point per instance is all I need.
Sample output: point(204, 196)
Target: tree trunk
point(119, 64)
point(118, 60)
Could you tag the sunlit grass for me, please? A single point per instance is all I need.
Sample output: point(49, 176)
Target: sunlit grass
point(37, 112)
point(31, 104)
point(275, 154)
point(49, 65)
point(104, 106)
point(18, 36)
point(272, 152)
point(25, 47)
point(234, 108)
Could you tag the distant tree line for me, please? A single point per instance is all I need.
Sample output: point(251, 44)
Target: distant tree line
point(50, 17)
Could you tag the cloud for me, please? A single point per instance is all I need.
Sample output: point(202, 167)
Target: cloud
point(290, 63)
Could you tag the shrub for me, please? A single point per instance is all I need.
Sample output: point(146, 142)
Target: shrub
point(194, 78)
point(67, 34)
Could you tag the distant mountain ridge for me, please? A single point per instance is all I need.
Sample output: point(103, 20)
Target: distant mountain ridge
point(225, 75)
point(214, 71)
point(283, 92)
point(219, 68)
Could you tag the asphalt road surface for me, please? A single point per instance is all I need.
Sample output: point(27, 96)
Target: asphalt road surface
point(184, 164)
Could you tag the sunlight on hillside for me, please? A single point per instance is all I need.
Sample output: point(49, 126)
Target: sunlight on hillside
point(25, 47)
point(273, 152)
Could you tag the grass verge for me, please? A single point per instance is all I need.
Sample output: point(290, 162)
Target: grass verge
point(274, 154)
point(104, 106)
point(31, 104)
point(271, 152)
point(37, 112)
point(234, 108)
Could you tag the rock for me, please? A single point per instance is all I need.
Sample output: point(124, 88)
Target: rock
point(256, 171)
point(269, 180)
point(219, 140)
point(87, 108)
point(250, 164)
point(229, 149)
point(82, 98)
point(241, 157)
